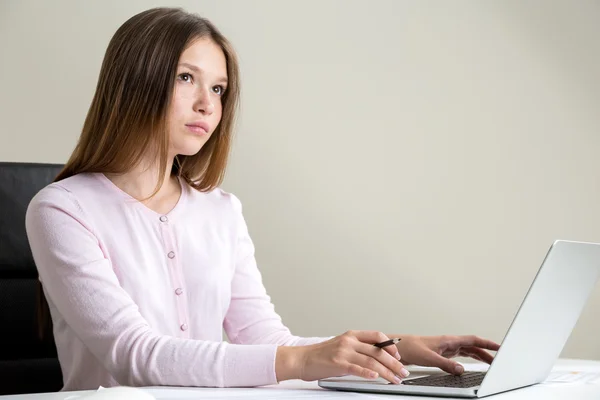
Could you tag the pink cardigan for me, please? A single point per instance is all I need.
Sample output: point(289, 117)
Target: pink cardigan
point(138, 298)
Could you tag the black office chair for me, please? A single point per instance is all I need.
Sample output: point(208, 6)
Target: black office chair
point(27, 364)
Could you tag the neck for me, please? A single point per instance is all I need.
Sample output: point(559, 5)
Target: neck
point(141, 181)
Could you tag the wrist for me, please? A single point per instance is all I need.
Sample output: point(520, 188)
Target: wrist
point(287, 363)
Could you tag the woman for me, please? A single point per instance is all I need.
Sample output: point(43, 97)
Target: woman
point(144, 260)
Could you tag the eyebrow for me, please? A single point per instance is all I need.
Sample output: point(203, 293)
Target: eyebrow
point(222, 79)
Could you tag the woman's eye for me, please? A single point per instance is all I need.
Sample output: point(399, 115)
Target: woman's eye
point(185, 77)
point(219, 90)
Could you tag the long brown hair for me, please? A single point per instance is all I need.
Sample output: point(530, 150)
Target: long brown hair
point(127, 116)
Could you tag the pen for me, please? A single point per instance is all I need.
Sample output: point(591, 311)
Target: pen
point(387, 342)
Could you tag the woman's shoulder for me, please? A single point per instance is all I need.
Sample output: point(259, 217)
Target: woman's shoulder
point(217, 198)
point(69, 191)
point(78, 183)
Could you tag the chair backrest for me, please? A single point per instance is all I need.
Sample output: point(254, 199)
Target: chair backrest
point(27, 364)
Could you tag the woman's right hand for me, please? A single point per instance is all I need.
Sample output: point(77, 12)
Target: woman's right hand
point(352, 353)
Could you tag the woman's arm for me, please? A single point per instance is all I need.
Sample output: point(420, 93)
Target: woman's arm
point(251, 318)
point(80, 282)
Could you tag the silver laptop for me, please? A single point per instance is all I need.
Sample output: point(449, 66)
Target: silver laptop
point(533, 342)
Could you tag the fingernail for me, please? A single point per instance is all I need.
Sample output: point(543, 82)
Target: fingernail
point(459, 369)
point(397, 379)
point(397, 355)
point(373, 375)
point(404, 372)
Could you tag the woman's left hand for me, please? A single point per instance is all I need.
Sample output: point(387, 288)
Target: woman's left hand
point(437, 351)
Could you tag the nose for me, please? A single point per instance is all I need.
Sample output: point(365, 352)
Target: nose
point(204, 103)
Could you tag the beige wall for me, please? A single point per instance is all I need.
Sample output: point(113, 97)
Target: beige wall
point(404, 166)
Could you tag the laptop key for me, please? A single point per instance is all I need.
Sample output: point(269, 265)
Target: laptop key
point(466, 380)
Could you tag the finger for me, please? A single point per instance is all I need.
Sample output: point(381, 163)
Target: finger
point(373, 337)
point(433, 359)
point(384, 358)
point(357, 370)
point(476, 341)
point(478, 354)
point(392, 350)
point(470, 355)
point(373, 364)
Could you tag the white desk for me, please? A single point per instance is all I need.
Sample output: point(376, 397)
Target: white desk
point(306, 390)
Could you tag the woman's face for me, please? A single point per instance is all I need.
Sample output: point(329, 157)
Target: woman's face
point(196, 107)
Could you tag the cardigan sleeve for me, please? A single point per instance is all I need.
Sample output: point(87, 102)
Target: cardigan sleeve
point(251, 317)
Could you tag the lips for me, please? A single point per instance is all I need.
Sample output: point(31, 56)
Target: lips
point(198, 127)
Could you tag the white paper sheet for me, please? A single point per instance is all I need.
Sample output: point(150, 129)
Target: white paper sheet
point(576, 377)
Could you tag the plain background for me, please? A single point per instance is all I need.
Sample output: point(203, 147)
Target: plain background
point(404, 165)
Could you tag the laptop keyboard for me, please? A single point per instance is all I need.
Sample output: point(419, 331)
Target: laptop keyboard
point(466, 380)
